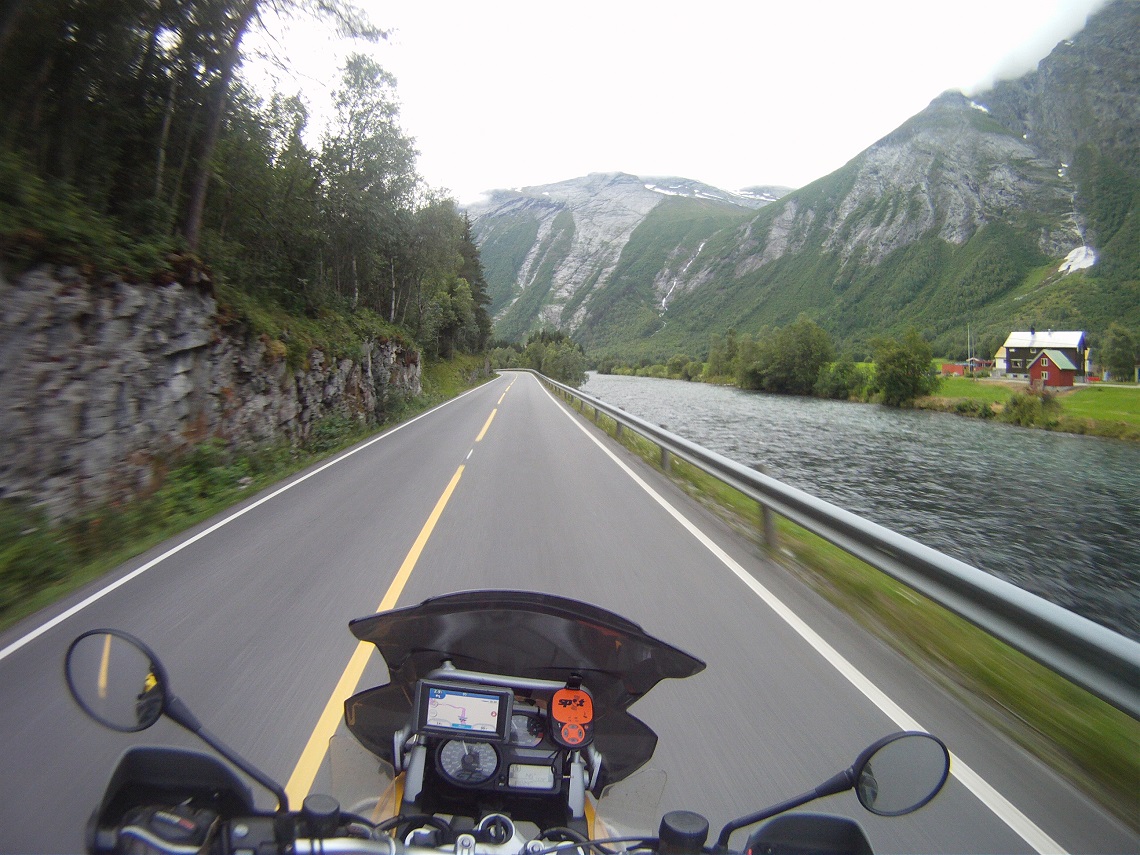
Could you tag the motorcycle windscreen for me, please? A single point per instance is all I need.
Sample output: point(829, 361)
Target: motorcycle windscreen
point(525, 634)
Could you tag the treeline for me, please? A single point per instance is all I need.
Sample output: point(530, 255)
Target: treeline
point(801, 359)
point(549, 352)
point(129, 142)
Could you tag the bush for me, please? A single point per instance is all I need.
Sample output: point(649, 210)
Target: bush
point(329, 433)
point(32, 553)
point(842, 380)
point(1029, 409)
point(971, 407)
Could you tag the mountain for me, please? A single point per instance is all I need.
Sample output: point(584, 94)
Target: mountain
point(547, 249)
point(966, 214)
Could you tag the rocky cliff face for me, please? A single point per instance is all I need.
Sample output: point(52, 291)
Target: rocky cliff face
point(1086, 91)
point(100, 383)
point(949, 171)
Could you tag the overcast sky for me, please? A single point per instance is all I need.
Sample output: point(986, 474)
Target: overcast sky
point(735, 93)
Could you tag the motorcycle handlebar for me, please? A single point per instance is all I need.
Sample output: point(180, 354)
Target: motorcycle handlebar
point(355, 846)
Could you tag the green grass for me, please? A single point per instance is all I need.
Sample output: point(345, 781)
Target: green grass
point(977, 390)
point(1107, 410)
point(1105, 402)
point(1085, 739)
point(41, 562)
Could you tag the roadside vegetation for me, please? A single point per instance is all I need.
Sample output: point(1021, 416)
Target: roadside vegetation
point(1085, 739)
point(1098, 409)
point(41, 560)
point(549, 352)
point(134, 149)
point(800, 359)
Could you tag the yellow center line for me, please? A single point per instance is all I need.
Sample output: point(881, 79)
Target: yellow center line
point(105, 665)
point(483, 432)
point(501, 398)
point(305, 772)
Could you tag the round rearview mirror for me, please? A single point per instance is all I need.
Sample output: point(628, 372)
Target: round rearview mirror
point(901, 773)
point(116, 679)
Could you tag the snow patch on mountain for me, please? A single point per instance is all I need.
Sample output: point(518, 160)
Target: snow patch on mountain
point(1079, 259)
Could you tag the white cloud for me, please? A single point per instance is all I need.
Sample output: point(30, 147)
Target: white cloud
point(502, 94)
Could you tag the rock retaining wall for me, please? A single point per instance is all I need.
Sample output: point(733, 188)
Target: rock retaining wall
point(100, 383)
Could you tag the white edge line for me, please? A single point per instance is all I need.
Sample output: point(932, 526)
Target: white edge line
point(138, 571)
point(1028, 830)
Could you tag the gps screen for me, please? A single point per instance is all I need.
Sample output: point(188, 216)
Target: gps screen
point(459, 709)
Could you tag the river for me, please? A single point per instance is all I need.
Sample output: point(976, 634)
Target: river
point(1056, 514)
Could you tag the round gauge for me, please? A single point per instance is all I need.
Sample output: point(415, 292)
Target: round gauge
point(468, 763)
point(526, 730)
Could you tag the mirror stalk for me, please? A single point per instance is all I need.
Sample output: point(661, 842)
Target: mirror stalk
point(180, 713)
point(840, 783)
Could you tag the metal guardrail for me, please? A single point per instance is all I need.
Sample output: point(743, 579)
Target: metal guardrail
point(1102, 661)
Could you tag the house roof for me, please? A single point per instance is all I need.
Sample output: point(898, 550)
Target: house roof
point(1049, 338)
point(1059, 359)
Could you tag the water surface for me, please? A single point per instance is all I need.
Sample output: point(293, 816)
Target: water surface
point(1056, 514)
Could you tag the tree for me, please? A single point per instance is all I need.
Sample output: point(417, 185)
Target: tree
point(368, 167)
point(472, 273)
point(719, 363)
point(1119, 355)
point(226, 57)
point(903, 369)
point(675, 366)
point(790, 361)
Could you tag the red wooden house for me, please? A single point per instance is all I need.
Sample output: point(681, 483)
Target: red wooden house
point(1051, 369)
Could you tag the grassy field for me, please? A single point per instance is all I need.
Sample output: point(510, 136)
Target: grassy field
point(1098, 409)
point(1104, 402)
point(1085, 739)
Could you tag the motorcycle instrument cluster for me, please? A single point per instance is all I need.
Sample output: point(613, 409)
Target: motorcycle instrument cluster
point(478, 746)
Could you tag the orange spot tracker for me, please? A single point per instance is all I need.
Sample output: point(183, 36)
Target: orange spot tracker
point(573, 711)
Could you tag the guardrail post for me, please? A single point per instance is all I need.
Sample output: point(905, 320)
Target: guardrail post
point(664, 459)
point(617, 433)
point(767, 518)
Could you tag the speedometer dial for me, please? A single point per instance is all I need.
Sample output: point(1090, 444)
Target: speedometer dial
point(526, 730)
point(468, 763)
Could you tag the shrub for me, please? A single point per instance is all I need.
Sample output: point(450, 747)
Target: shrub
point(1032, 408)
point(841, 380)
point(32, 553)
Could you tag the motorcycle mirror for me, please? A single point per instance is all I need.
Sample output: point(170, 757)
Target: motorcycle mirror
point(116, 680)
point(119, 682)
point(901, 773)
point(896, 775)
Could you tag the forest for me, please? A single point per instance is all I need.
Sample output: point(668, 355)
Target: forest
point(131, 146)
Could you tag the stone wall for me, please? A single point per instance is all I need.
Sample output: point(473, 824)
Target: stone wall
point(101, 383)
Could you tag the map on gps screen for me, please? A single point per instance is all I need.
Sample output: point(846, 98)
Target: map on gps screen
point(455, 709)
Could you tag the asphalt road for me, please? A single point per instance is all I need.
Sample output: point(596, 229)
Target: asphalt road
point(251, 621)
